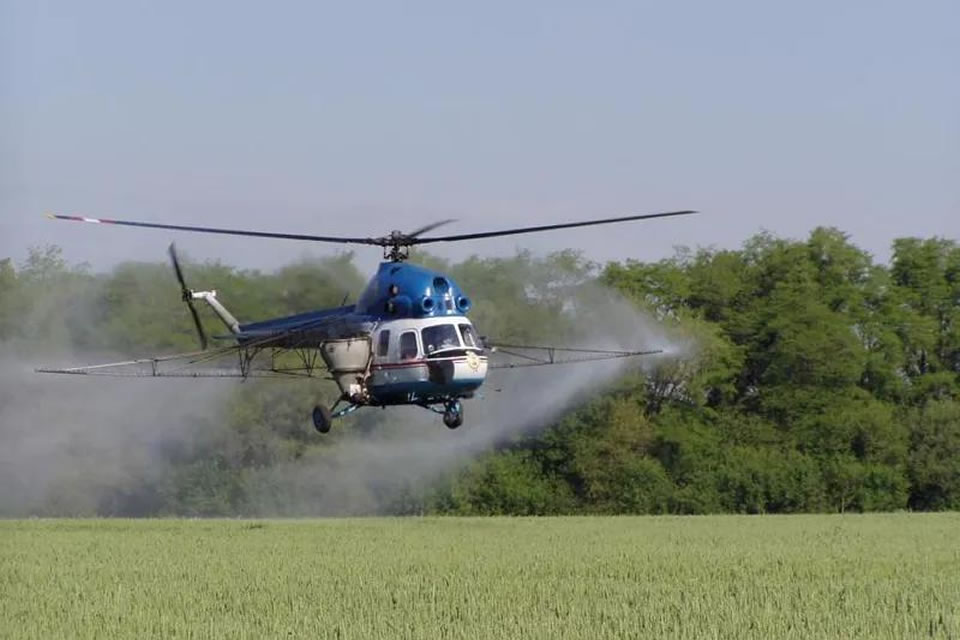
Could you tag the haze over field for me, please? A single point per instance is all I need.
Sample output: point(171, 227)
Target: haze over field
point(81, 444)
point(799, 376)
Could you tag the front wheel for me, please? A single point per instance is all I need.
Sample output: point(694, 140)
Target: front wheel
point(322, 419)
point(453, 416)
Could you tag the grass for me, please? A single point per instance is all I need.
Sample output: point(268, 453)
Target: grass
point(871, 576)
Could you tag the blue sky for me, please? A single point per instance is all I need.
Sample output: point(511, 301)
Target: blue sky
point(358, 118)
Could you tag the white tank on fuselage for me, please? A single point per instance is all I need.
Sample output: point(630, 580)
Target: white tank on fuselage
point(347, 359)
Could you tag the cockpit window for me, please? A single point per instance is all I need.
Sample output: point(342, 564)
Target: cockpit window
point(440, 336)
point(469, 337)
point(408, 345)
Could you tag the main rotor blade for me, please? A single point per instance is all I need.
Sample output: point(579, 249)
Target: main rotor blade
point(547, 227)
point(230, 232)
point(429, 227)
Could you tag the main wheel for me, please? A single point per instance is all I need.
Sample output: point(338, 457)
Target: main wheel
point(322, 419)
point(453, 416)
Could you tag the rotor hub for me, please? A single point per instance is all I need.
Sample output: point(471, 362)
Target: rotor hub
point(396, 245)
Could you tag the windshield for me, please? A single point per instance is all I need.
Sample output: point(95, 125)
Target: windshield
point(469, 337)
point(438, 337)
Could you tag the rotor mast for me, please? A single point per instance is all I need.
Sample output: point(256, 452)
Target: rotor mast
point(396, 247)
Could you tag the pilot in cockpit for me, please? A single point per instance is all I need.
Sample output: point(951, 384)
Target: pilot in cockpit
point(440, 337)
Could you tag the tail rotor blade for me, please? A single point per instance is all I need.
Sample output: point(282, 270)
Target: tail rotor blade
point(187, 296)
point(196, 323)
point(176, 267)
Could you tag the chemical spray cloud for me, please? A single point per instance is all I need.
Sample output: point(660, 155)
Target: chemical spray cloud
point(75, 446)
point(70, 443)
point(372, 474)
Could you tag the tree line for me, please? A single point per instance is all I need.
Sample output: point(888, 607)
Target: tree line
point(820, 381)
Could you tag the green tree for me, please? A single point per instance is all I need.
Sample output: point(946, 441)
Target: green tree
point(8, 293)
point(935, 456)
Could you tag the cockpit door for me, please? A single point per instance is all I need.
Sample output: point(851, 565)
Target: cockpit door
point(382, 352)
point(409, 347)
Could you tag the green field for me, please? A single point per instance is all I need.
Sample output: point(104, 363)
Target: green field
point(876, 576)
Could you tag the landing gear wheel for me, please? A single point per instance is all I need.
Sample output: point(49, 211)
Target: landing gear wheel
point(322, 419)
point(453, 416)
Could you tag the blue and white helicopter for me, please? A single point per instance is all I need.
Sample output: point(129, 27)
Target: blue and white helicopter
point(406, 341)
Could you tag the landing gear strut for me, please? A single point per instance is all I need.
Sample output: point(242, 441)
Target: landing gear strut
point(323, 418)
point(453, 414)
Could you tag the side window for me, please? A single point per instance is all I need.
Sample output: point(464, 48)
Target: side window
point(408, 345)
point(383, 345)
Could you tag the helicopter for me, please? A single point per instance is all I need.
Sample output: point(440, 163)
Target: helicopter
point(406, 341)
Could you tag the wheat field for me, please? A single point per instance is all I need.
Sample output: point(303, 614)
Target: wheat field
point(850, 576)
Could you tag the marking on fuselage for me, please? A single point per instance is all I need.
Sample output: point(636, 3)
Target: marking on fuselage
point(424, 363)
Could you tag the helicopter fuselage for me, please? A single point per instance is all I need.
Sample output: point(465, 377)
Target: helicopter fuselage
point(407, 340)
